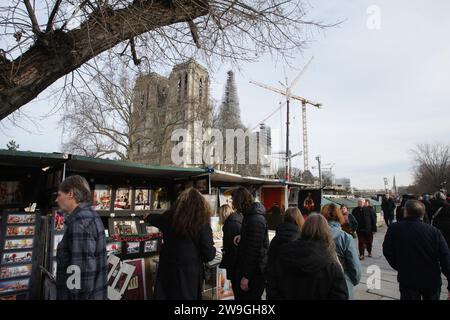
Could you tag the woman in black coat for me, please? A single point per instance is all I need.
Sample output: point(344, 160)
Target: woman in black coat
point(232, 223)
point(252, 249)
point(309, 268)
point(286, 232)
point(188, 243)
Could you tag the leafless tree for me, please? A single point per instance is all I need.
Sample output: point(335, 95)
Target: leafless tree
point(104, 123)
point(46, 40)
point(431, 167)
point(113, 120)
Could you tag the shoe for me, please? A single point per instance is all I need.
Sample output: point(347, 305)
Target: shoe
point(370, 255)
point(361, 257)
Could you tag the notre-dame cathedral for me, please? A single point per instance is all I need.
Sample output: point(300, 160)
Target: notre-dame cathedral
point(165, 104)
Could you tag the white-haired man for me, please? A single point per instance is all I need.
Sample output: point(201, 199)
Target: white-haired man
point(367, 226)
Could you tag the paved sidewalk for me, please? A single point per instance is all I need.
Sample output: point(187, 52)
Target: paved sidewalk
point(389, 286)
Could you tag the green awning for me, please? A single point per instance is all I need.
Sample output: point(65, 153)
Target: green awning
point(87, 164)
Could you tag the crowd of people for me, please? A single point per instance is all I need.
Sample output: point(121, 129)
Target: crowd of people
point(310, 257)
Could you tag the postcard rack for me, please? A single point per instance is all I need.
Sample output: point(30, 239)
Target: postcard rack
point(19, 255)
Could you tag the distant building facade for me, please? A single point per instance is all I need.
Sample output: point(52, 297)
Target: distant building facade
point(164, 104)
point(344, 182)
point(168, 103)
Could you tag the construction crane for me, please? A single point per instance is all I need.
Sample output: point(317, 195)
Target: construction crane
point(286, 91)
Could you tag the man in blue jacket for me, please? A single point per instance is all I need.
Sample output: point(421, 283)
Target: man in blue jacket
point(81, 254)
point(419, 253)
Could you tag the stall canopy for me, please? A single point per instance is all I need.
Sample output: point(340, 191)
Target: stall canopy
point(77, 163)
point(350, 202)
point(325, 201)
point(81, 164)
point(31, 159)
point(223, 177)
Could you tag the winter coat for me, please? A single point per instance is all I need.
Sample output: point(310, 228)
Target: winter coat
point(441, 220)
point(418, 252)
point(348, 256)
point(82, 245)
point(367, 219)
point(388, 207)
point(351, 226)
point(308, 271)
point(399, 212)
point(286, 232)
point(253, 244)
point(429, 209)
point(231, 228)
point(180, 270)
point(273, 217)
point(435, 204)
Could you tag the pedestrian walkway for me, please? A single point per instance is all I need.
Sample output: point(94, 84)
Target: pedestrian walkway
point(389, 289)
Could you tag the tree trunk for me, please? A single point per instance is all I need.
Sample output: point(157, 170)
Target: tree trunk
point(58, 53)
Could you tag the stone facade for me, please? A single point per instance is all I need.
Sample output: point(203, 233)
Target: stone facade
point(168, 103)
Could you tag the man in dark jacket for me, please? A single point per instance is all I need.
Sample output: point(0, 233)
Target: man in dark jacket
point(367, 226)
point(388, 207)
point(252, 248)
point(81, 254)
point(231, 229)
point(419, 253)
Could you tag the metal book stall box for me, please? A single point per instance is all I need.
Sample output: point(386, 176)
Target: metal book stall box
point(25, 184)
point(122, 194)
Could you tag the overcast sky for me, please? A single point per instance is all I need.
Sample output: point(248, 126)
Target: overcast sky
point(383, 90)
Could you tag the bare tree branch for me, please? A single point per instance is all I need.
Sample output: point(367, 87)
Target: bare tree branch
point(33, 18)
point(133, 52)
point(194, 33)
point(160, 33)
point(51, 18)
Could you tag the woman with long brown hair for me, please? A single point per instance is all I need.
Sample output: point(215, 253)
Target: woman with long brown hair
point(345, 247)
point(308, 268)
point(287, 231)
point(350, 224)
point(188, 243)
